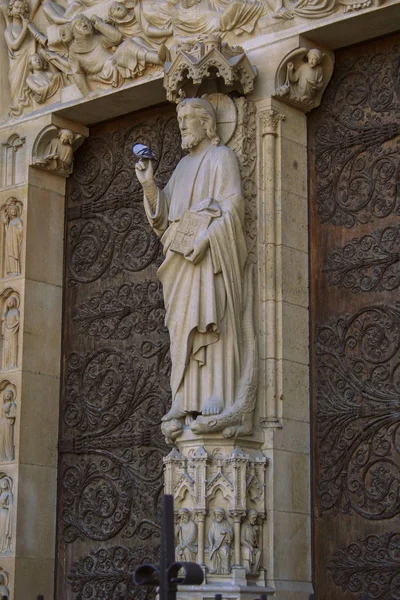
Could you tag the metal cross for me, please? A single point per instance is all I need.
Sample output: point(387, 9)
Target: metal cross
point(169, 574)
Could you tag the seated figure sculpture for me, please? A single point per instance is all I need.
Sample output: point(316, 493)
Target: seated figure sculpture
point(208, 313)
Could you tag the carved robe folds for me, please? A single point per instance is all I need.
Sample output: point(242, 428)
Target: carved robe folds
point(204, 301)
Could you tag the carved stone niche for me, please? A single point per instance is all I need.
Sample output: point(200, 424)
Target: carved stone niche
point(8, 413)
point(54, 149)
point(207, 65)
point(224, 485)
point(10, 326)
point(6, 514)
point(303, 75)
point(11, 237)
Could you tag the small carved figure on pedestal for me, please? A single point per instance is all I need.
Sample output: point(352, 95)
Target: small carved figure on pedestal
point(10, 330)
point(8, 412)
point(186, 535)
point(13, 233)
point(220, 537)
point(250, 543)
point(6, 507)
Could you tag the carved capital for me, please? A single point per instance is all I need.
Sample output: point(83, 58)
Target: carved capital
point(237, 515)
point(303, 75)
point(270, 121)
point(54, 149)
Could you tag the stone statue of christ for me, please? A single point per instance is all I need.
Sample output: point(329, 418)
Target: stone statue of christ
point(203, 287)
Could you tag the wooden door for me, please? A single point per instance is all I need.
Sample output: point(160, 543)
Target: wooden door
point(115, 383)
point(355, 325)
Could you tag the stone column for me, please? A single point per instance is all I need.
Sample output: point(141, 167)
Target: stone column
point(283, 259)
point(31, 242)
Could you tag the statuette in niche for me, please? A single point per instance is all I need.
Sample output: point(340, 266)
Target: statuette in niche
point(250, 543)
point(220, 537)
point(303, 76)
point(54, 150)
point(8, 413)
point(13, 229)
point(186, 535)
point(6, 508)
point(207, 287)
point(10, 330)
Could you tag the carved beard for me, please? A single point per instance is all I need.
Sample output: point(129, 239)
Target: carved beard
point(191, 140)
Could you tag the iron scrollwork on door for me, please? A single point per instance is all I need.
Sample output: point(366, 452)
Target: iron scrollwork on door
point(116, 365)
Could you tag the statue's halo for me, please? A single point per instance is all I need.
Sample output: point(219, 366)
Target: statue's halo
point(226, 115)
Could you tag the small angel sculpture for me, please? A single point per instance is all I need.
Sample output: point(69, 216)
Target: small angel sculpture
point(59, 153)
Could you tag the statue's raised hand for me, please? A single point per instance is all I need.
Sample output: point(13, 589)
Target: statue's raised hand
point(144, 172)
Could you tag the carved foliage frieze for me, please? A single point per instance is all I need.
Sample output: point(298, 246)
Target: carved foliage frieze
point(358, 417)
point(116, 366)
point(356, 146)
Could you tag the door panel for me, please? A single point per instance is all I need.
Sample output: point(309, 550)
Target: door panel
point(115, 384)
point(354, 141)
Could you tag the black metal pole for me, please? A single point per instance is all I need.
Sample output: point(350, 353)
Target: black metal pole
point(167, 547)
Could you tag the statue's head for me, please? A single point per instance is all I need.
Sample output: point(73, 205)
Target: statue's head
point(11, 302)
point(219, 514)
point(66, 137)
point(8, 395)
point(184, 515)
point(18, 8)
point(314, 57)
point(82, 25)
point(197, 120)
point(66, 34)
point(252, 516)
point(117, 12)
point(37, 62)
point(12, 208)
point(4, 483)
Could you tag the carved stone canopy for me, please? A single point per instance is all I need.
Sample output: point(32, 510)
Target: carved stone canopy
point(221, 67)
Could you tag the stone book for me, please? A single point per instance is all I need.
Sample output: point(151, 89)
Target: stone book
point(191, 226)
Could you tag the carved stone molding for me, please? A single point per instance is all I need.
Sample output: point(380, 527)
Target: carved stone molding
point(54, 149)
point(195, 62)
point(302, 77)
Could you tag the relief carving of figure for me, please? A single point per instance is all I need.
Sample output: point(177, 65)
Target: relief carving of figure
point(21, 37)
point(220, 537)
point(10, 330)
point(13, 234)
point(6, 507)
point(44, 80)
point(8, 412)
point(186, 535)
point(303, 83)
point(250, 543)
point(208, 312)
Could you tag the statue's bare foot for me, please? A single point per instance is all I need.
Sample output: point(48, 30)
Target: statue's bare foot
point(212, 406)
point(173, 413)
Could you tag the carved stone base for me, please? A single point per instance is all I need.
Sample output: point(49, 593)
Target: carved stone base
point(219, 496)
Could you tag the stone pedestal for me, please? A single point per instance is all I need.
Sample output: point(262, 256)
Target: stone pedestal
point(208, 475)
